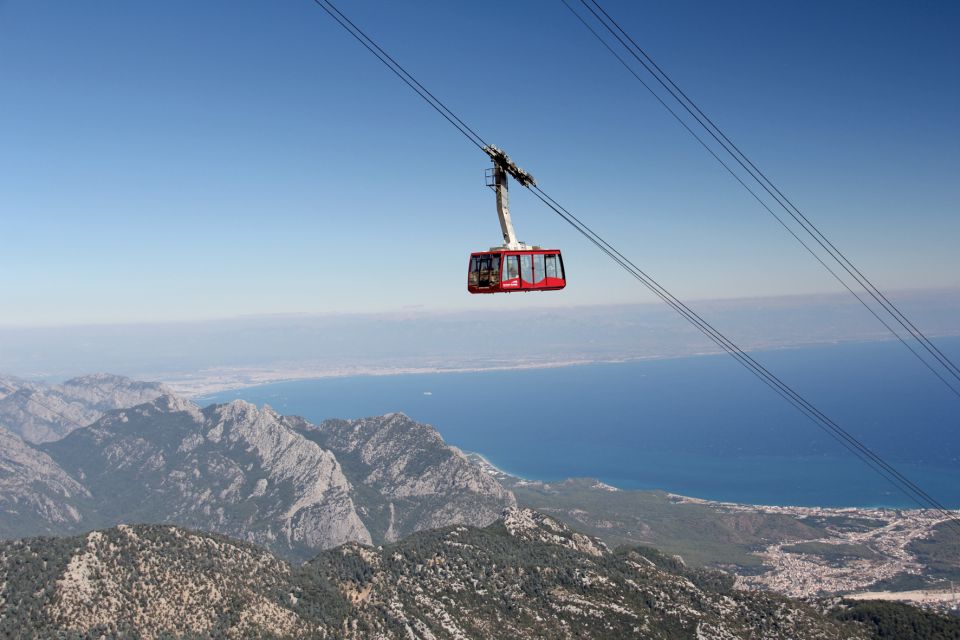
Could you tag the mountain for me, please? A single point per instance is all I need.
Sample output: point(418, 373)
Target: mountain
point(529, 576)
point(246, 472)
point(525, 575)
point(43, 413)
point(796, 551)
point(701, 534)
point(10, 384)
point(232, 469)
point(407, 478)
point(36, 495)
point(144, 582)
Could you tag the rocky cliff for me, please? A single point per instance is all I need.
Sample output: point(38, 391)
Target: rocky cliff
point(232, 469)
point(407, 478)
point(235, 469)
point(43, 413)
point(36, 495)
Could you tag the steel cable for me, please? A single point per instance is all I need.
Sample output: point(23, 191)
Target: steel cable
point(763, 204)
point(717, 134)
point(850, 442)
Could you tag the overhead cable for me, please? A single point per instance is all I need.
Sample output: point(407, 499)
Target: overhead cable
point(850, 442)
point(401, 73)
point(647, 62)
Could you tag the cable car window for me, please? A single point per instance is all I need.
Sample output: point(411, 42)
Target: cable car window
point(489, 270)
point(472, 277)
point(550, 266)
point(483, 263)
point(511, 268)
point(538, 274)
point(526, 268)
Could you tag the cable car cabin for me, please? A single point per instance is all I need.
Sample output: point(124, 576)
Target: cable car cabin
point(507, 271)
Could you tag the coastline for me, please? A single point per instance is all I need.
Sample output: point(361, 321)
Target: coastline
point(534, 452)
point(214, 382)
point(795, 510)
point(210, 381)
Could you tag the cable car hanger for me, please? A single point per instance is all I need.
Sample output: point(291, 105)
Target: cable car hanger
point(513, 266)
point(498, 181)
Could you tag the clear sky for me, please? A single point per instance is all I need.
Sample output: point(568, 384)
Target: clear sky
point(184, 160)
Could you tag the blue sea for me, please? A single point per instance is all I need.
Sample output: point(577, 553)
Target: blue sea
point(699, 426)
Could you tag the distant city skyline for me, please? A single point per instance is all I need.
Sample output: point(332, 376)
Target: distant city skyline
point(182, 162)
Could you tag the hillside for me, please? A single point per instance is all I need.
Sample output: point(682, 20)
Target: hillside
point(526, 575)
point(232, 469)
point(701, 534)
point(406, 478)
point(297, 488)
point(39, 412)
point(36, 495)
point(143, 581)
point(242, 471)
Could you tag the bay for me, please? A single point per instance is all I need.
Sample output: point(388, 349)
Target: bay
point(699, 426)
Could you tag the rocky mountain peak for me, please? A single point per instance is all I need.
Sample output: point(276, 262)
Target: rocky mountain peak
point(238, 411)
point(111, 382)
point(40, 412)
point(233, 468)
point(249, 472)
point(164, 405)
point(170, 403)
point(533, 526)
point(411, 478)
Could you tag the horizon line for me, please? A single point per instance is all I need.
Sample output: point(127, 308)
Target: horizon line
point(420, 310)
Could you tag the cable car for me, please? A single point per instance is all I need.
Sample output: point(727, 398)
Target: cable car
point(501, 271)
point(514, 266)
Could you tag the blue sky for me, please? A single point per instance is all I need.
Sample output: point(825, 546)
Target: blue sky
point(184, 160)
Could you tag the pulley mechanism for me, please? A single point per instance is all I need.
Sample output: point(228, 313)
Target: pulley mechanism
point(498, 181)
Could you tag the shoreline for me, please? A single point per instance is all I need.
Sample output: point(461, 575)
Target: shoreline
point(500, 473)
point(206, 386)
point(305, 385)
point(212, 381)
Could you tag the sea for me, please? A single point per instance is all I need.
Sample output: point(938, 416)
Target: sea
point(697, 426)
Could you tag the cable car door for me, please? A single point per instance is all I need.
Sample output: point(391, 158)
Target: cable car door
point(526, 271)
point(510, 277)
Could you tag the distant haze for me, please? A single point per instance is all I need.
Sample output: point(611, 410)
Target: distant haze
point(202, 356)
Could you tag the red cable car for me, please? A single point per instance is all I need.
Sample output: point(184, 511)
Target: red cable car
point(515, 266)
point(503, 271)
